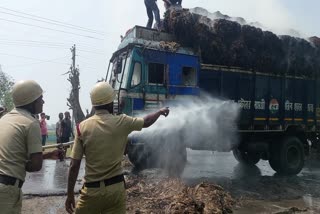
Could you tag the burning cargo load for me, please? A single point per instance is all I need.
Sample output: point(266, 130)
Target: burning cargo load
point(231, 42)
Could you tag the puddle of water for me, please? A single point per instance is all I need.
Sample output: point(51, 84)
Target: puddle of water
point(312, 206)
point(51, 179)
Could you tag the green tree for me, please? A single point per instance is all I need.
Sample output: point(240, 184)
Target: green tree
point(6, 83)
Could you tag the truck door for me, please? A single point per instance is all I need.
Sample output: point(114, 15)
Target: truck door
point(135, 96)
point(156, 90)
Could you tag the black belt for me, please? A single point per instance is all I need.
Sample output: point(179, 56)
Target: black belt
point(107, 182)
point(8, 180)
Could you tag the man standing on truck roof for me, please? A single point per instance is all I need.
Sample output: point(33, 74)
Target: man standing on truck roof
point(20, 144)
point(152, 8)
point(169, 3)
point(102, 138)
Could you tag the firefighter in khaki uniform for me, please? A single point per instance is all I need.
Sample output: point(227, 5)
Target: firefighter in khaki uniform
point(102, 139)
point(20, 144)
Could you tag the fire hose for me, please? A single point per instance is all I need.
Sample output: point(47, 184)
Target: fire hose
point(59, 146)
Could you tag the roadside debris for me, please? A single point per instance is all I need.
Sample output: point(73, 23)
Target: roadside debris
point(293, 210)
point(171, 195)
point(153, 192)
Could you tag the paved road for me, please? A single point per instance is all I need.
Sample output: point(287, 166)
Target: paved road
point(259, 185)
point(220, 168)
point(51, 180)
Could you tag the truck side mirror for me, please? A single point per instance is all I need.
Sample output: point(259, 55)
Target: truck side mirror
point(118, 67)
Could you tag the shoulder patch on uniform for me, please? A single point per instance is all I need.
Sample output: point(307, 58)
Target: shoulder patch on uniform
point(78, 129)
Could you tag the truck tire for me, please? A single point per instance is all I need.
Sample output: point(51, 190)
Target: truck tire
point(177, 162)
point(173, 159)
point(138, 156)
point(245, 157)
point(287, 156)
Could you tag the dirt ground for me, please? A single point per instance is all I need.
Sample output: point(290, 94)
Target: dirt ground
point(39, 205)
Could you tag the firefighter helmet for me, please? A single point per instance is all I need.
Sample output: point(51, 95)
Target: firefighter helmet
point(102, 94)
point(25, 92)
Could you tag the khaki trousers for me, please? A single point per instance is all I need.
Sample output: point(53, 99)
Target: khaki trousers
point(103, 199)
point(10, 199)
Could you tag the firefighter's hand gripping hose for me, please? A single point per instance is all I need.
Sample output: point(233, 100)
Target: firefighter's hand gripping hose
point(60, 149)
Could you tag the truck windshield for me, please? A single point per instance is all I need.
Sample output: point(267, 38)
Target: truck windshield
point(118, 76)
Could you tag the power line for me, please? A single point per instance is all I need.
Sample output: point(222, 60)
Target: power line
point(62, 31)
point(90, 58)
point(30, 58)
point(89, 63)
point(87, 66)
point(33, 45)
point(30, 44)
point(48, 22)
point(86, 44)
point(18, 56)
point(32, 41)
point(35, 63)
point(52, 20)
point(81, 50)
point(51, 46)
point(18, 41)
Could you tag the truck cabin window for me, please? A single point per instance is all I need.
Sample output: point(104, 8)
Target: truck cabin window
point(120, 73)
point(189, 76)
point(113, 76)
point(136, 76)
point(156, 73)
point(118, 66)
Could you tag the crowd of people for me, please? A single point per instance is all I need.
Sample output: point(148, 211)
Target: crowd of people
point(101, 139)
point(63, 127)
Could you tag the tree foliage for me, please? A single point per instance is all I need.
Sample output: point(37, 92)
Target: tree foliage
point(6, 83)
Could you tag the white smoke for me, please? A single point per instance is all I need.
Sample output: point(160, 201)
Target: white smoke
point(200, 123)
point(268, 15)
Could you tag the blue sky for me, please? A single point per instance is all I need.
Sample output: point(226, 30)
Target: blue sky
point(28, 52)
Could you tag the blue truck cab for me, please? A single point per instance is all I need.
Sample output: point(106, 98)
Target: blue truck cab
point(147, 75)
point(280, 115)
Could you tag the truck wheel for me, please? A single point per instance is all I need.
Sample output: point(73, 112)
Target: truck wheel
point(244, 157)
point(138, 156)
point(176, 161)
point(287, 157)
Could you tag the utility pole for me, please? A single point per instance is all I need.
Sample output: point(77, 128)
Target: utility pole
point(73, 100)
point(73, 51)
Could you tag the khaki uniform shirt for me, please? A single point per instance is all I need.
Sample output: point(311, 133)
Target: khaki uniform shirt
point(19, 137)
point(103, 138)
